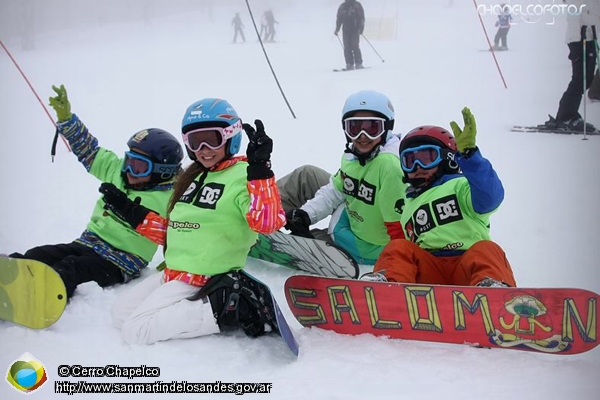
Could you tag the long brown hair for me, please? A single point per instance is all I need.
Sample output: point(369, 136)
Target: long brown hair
point(184, 180)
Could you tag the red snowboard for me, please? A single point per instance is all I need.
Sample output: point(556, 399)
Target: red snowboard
point(546, 320)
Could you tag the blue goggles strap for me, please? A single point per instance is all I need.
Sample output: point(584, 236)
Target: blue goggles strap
point(410, 166)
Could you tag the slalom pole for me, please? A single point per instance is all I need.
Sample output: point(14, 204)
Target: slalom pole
point(584, 44)
point(269, 61)
point(490, 45)
point(34, 92)
point(373, 47)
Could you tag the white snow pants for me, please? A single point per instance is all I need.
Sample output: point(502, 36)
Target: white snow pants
point(153, 310)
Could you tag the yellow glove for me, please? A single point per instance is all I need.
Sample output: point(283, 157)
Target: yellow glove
point(61, 104)
point(465, 138)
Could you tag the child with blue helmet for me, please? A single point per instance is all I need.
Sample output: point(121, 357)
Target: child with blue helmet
point(220, 204)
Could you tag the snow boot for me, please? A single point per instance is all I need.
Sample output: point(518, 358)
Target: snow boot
point(489, 282)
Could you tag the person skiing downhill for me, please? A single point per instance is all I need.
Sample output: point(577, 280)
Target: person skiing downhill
point(351, 19)
point(452, 192)
point(109, 252)
point(365, 196)
point(220, 204)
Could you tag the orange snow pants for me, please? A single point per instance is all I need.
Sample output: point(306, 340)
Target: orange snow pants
point(404, 261)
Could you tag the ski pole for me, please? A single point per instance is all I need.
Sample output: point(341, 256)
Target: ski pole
point(269, 61)
point(340, 40)
point(597, 48)
point(35, 94)
point(584, 44)
point(595, 38)
point(373, 47)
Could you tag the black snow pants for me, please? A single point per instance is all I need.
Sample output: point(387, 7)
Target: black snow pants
point(568, 107)
point(75, 263)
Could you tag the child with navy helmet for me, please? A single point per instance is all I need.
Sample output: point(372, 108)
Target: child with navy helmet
point(452, 192)
point(365, 196)
point(220, 204)
point(109, 252)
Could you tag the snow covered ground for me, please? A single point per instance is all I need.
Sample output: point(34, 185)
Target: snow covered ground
point(144, 72)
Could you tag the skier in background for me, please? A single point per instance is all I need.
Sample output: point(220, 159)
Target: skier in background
point(351, 19)
point(365, 196)
point(263, 26)
point(453, 191)
point(270, 20)
point(503, 25)
point(578, 27)
point(238, 27)
point(109, 252)
point(220, 204)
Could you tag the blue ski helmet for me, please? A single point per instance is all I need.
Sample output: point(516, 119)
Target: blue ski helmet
point(213, 112)
point(370, 100)
point(163, 149)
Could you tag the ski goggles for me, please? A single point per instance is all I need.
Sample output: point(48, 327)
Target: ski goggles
point(140, 166)
point(371, 127)
point(212, 137)
point(426, 156)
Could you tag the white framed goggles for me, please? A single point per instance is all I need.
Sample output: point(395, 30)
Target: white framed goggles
point(213, 137)
point(371, 127)
point(140, 166)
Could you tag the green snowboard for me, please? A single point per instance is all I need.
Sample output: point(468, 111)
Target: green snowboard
point(31, 293)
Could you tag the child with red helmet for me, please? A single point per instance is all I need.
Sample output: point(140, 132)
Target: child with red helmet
point(452, 192)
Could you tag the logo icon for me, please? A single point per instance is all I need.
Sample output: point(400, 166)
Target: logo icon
point(26, 374)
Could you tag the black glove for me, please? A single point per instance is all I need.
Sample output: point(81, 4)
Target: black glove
point(298, 222)
point(116, 201)
point(258, 152)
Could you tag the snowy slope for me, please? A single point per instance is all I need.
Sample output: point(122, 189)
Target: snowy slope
point(146, 68)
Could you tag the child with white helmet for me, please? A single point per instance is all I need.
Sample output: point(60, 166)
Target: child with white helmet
point(365, 196)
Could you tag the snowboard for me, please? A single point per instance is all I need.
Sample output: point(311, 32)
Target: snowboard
point(31, 293)
point(277, 319)
point(309, 255)
point(348, 70)
point(545, 320)
point(541, 128)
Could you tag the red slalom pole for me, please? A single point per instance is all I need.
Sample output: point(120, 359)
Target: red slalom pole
point(489, 44)
point(32, 89)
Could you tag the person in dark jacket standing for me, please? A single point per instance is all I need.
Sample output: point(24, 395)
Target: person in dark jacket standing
point(351, 18)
